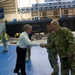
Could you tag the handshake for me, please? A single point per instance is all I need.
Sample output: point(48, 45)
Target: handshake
point(42, 45)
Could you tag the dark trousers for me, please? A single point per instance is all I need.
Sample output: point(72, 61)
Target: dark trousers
point(67, 65)
point(20, 62)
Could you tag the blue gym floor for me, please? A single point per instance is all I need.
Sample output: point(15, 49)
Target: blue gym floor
point(38, 65)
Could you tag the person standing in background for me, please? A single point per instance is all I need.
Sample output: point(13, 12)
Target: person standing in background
point(5, 39)
point(28, 53)
point(52, 53)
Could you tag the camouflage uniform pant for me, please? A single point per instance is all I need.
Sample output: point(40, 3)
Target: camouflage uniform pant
point(67, 65)
point(53, 61)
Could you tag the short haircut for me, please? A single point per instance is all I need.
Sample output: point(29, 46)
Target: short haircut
point(27, 26)
point(55, 22)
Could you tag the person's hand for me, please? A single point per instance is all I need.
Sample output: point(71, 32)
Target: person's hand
point(42, 45)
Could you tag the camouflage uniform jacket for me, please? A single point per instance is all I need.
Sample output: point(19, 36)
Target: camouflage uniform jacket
point(49, 40)
point(64, 42)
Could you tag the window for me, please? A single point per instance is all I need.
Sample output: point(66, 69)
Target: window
point(66, 11)
point(25, 3)
point(55, 12)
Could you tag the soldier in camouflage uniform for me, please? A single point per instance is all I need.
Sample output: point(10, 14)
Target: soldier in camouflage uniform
point(52, 54)
point(65, 46)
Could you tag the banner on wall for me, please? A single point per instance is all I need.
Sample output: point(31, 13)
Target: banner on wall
point(48, 6)
point(57, 0)
point(1, 12)
point(48, 0)
point(2, 27)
